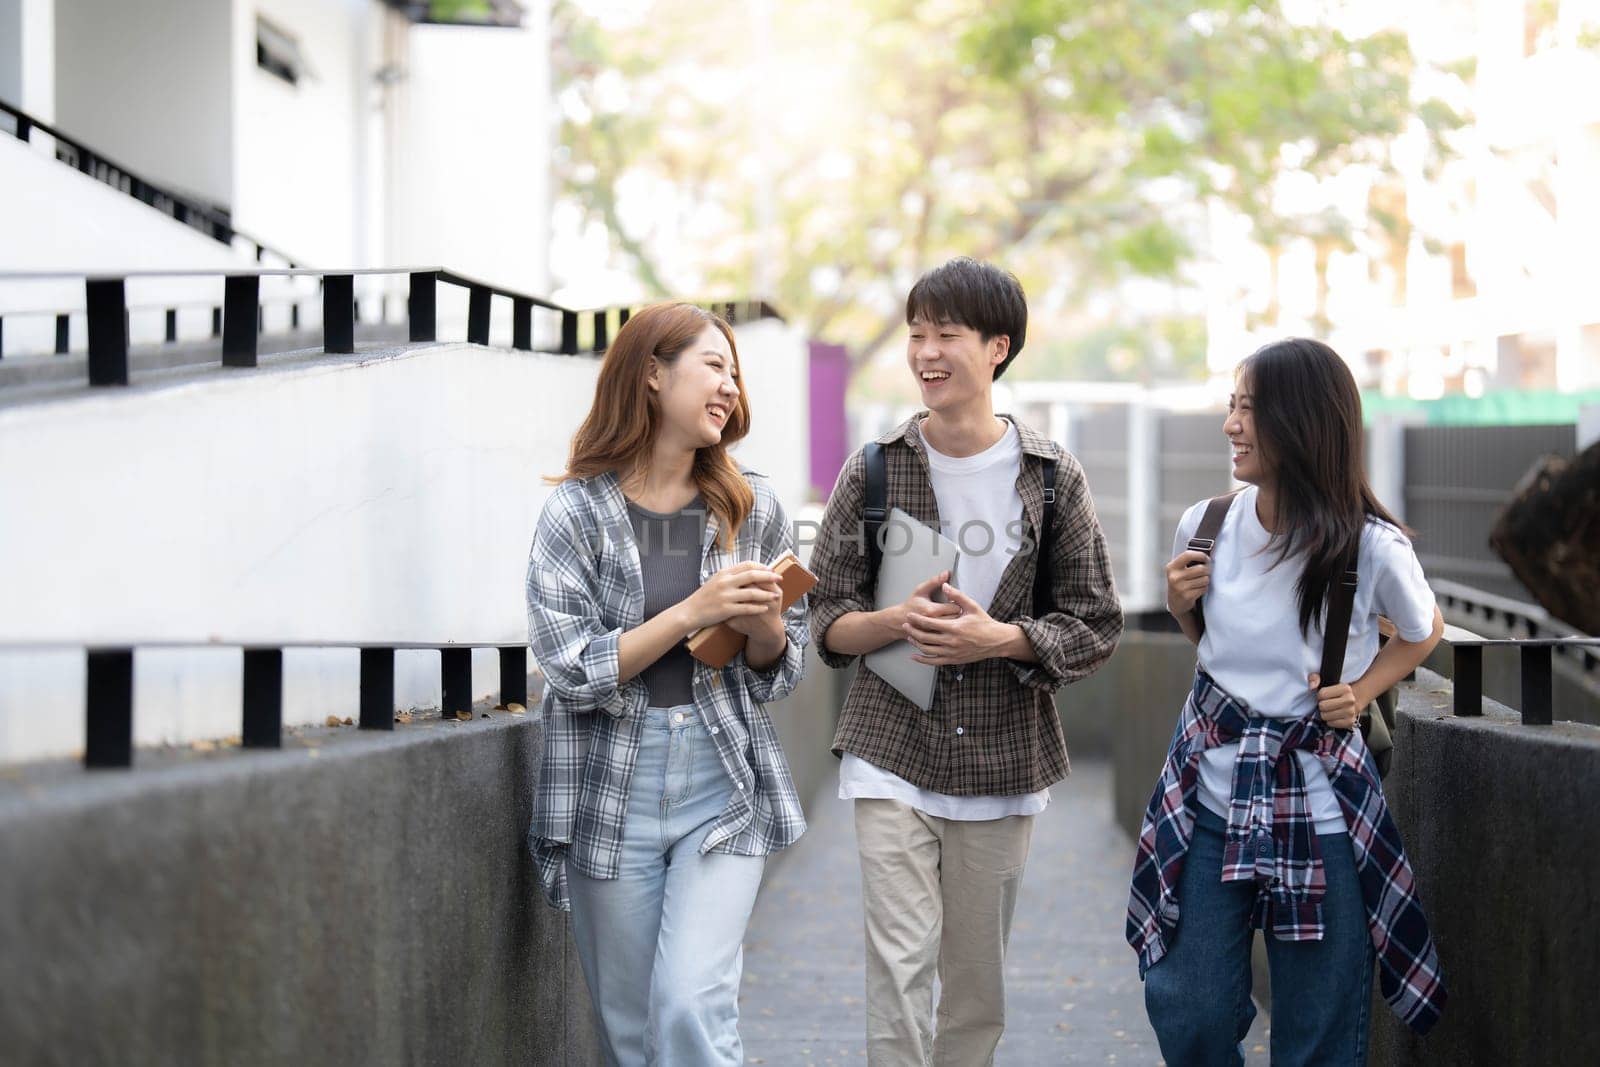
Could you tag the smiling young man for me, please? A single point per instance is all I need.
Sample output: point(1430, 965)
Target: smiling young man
point(945, 798)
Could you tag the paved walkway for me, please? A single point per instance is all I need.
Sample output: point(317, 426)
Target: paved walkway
point(1072, 984)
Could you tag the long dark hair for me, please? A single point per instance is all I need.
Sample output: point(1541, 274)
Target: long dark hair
point(622, 423)
point(1307, 414)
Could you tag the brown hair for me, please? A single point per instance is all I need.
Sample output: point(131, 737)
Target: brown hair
point(622, 423)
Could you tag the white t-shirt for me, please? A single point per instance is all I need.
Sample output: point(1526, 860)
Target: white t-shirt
point(981, 510)
point(1255, 650)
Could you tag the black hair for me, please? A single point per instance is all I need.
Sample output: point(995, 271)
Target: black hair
point(974, 294)
point(1307, 414)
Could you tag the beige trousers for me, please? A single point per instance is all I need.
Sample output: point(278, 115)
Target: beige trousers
point(938, 896)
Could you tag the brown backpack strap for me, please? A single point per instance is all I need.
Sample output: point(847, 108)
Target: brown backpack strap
point(1341, 601)
point(1205, 538)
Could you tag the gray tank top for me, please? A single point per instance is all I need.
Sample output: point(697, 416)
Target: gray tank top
point(669, 555)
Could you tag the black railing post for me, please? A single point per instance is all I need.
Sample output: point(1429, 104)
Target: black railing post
point(63, 335)
point(294, 315)
point(602, 339)
point(455, 681)
point(1536, 694)
point(622, 318)
point(338, 313)
point(1467, 680)
point(514, 676)
point(569, 333)
point(171, 335)
point(108, 331)
point(263, 698)
point(478, 315)
point(216, 322)
point(240, 319)
point(24, 128)
point(424, 318)
point(377, 689)
point(108, 707)
point(522, 323)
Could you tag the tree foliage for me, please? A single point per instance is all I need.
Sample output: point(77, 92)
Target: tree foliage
point(1081, 143)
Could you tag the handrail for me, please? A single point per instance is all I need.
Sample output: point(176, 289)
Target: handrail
point(213, 221)
point(1466, 650)
point(105, 302)
point(108, 689)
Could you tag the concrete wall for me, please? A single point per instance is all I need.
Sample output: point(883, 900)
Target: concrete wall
point(299, 151)
point(150, 84)
point(772, 359)
point(354, 898)
point(471, 178)
point(1498, 820)
point(28, 57)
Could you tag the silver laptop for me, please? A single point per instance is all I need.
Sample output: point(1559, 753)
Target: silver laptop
point(912, 553)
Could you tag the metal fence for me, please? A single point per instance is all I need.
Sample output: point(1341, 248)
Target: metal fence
point(1456, 479)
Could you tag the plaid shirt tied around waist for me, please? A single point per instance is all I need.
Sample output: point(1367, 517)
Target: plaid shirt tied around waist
point(1271, 840)
point(585, 588)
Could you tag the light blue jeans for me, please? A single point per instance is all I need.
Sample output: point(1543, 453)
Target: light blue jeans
point(661, 944)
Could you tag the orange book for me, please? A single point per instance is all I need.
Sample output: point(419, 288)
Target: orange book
point(717, 645)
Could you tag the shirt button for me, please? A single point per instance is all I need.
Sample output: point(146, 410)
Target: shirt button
point(741, 787)
point(714, 729)
point(960, 730)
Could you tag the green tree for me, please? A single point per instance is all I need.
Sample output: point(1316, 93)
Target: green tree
point(1079, 142)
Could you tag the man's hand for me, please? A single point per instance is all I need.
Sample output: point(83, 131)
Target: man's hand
point(1338, 705)
point(969, 634)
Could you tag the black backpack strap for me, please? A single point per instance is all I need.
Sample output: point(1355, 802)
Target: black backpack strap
point(1341, 601)
point(1205, 539)
point(1043, 599)
point(875, 505)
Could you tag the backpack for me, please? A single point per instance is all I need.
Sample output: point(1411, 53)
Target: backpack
point(875, 509)
point(1376, 719)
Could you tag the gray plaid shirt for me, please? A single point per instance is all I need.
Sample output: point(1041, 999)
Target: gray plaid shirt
point(993, 729)
point(585, 588)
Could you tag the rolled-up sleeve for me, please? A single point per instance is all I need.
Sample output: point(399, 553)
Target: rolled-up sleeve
point(572, 645)
point(839, 560)
point(1082, 631)
point(780, 679)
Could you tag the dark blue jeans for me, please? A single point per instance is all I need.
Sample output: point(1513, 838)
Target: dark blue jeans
point(1198, 996)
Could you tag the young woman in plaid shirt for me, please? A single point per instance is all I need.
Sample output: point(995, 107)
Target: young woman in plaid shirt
point(662, 786)
point(1269, 812)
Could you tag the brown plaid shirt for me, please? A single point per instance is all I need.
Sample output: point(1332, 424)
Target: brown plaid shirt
point(993, 729)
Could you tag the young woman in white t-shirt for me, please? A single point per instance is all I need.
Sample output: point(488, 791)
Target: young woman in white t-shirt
point(1294, 423)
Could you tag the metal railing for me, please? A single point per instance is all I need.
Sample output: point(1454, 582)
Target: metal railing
point(213, 221)
point(1535, 665)
point(240, 325)
point(1538, 638)
point(108, 690)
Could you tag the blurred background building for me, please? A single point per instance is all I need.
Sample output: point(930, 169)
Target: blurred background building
point(1468, 274)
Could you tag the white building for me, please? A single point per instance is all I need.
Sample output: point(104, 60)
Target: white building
point(1484, 282)
point(341, 132)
